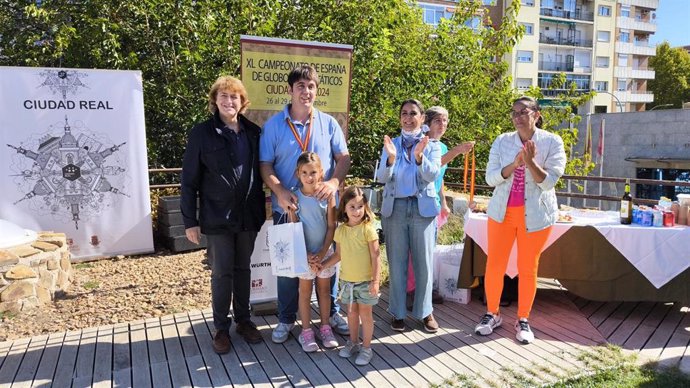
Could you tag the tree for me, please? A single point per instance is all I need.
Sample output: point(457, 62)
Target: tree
point(671, 83)
point(182, 46)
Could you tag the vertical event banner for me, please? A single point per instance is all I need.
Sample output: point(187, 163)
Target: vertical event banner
point(74, 157)
point(266, 63)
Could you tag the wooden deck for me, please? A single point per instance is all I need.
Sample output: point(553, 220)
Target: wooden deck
point(175, 350)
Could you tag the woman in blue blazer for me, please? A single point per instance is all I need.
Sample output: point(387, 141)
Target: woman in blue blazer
point(409, 166)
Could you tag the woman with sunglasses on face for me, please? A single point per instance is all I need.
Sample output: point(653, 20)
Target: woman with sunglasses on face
point(524, 166)
point(410, 163)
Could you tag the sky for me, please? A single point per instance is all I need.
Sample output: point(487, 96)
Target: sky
point(672, 23)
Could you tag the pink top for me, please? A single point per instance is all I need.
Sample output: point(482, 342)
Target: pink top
point(517, 192)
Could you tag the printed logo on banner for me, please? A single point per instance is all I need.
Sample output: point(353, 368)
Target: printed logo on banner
point(68, 176)
point(63, 81)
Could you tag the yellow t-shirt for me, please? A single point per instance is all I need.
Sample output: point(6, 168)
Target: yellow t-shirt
point(355, 263)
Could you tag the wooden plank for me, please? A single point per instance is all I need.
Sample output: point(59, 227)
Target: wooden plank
point(462, 359)
point(537, 355)
point(663, 333)
point(241, 362)
point(173, 351)
point(643, 332)
point(192, 355)
point(4, 350)
point(619, 316)
point(68, 357)
point(684, 364)
point(122, 362)
point(103, 366)
point(13, 361)
point(32, 357)
point(160, 374)
point(321, 357)
point(603, 313)
point(591, 308)
point(214, 365)
point(49, 360)
point(423, 352)
point(83, 371)
point(679, 342)
point(297, 366)
point(353, 376)
point(141, 371)
point(560, 354)
point(627, 327)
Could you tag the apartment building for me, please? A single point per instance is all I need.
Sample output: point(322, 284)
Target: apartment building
point(600, 45)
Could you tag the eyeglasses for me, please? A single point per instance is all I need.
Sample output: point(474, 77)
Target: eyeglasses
point(515, 114)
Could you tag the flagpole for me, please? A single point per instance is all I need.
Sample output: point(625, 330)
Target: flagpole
point(587, 140)
point(600, 149)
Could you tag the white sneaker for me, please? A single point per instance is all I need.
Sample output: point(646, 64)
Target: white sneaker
point(339, 324)
point(281, 332)
point(523, 333)
point(364, 356)
point(488, 323)
point(349, 349)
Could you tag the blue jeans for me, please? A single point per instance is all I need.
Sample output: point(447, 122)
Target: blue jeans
point(407, 232)
point(288, 290)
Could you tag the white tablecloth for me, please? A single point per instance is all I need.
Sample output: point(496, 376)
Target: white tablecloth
point(660, 254)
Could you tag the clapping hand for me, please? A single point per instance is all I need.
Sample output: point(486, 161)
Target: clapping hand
point(390, 149)
point(419, 149)
point(529, 151)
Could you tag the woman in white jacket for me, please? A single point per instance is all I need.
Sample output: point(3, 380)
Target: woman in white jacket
point(524, 166)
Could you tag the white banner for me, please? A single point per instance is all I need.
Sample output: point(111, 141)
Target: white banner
point(74, 158)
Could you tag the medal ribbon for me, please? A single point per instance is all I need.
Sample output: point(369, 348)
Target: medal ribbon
point(474, 167)
point(303, 145)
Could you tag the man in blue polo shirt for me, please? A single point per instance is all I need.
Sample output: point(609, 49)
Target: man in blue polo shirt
point(301, 127)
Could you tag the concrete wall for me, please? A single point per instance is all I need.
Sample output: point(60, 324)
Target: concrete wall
point(643, 135)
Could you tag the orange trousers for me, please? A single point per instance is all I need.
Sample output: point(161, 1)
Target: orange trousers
point(529, 247)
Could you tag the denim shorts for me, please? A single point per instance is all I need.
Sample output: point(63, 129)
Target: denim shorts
point(356, 293)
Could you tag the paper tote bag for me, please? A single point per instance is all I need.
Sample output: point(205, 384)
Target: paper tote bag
point(287, 249)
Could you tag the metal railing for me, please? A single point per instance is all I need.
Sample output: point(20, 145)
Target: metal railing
point(578, 178)
point(487, 189)
point(566, 41)
point(555, 66)
point(575, 15)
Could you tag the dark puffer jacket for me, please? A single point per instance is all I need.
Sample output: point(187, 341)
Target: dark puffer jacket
point(208, 174)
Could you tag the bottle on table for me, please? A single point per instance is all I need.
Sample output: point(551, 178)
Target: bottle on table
point(626, 205)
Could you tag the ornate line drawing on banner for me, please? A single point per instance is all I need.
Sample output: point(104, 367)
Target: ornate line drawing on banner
point(63, 81)
point(73, 177)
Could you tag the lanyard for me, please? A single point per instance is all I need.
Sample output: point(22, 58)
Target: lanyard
point(303, 145)
point(464, 180)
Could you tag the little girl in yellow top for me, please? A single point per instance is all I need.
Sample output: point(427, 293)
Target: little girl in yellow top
point(357, 245)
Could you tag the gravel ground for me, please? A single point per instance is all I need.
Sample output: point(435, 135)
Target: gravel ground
point(119, 290)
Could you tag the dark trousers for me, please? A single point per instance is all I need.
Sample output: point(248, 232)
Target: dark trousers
point(229, 256)
point(288, 290)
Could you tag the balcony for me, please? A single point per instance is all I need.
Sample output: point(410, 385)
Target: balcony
point(653, 4)
point(555, 66)
point(565, 41)
point(636, 49)
point(636, 24)
point(634, 96)
point(555, 92)
point(572, 15)
point(629, 72)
